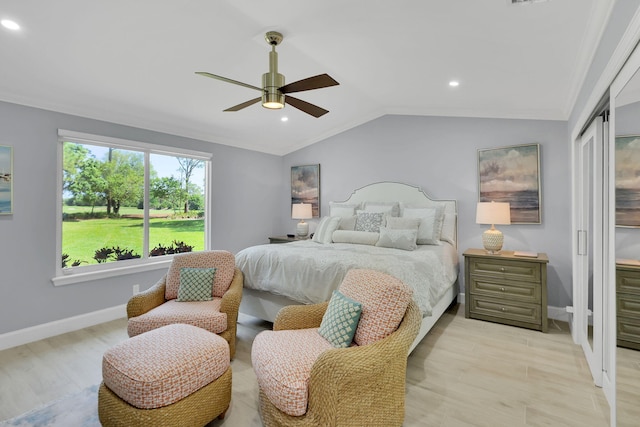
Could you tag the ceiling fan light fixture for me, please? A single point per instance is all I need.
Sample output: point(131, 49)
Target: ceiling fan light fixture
point(273, 105)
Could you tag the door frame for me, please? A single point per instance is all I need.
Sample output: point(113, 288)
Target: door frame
point(589, 234)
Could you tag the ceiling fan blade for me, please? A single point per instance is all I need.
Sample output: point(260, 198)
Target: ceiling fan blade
point(224, 79)
point(244, 104)
point(306, 107)
point(315, 82)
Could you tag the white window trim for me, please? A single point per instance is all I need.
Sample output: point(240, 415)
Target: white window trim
point(73, 275)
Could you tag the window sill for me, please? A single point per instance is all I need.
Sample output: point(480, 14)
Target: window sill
point(77, 277)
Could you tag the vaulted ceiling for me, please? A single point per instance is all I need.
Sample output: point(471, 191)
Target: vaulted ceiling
point(133, 62)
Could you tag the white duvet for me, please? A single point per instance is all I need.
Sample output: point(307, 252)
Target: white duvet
point(308, 272)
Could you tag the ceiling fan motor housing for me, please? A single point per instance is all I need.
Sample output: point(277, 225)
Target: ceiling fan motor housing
point(272, 82)
point(272, 97)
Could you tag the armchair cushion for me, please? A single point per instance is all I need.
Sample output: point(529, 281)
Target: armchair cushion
point(384, 300)
point(282, 361)
point(204, 314)
point(340, 321)
point(223, 261)
point(196, 284)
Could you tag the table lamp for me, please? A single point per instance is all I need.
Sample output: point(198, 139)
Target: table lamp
point(493, 213)
point(302, 211)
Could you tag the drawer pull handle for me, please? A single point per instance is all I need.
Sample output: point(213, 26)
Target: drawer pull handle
point(502, 269)
point(502, 289)
point(503, 309)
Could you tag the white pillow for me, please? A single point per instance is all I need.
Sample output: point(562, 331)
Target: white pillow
point(343, 209)
point(348, 223)
point(430, 223)
point(357, 237)
point(390, 208)
point(369, 221)
point(404, 239)
point(402, 223)
point(449, 228)
point(326, 227)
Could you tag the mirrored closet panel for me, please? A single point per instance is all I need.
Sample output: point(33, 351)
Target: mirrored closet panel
point(626, 131)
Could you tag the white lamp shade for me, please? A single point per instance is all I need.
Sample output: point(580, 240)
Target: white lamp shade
point(493, 213)
point(301, 211)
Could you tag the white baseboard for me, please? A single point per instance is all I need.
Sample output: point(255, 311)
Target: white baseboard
point(555, 313)
point(57, 327)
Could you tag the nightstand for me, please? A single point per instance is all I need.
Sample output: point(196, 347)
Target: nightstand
point(284, 239)
point(505, 288)
point(628, 305)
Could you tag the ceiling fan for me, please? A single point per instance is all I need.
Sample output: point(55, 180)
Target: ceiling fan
point(274, 92)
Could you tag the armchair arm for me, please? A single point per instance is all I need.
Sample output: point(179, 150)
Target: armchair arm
point(343, 376)
point(231, 299)
point(300, 316)
point(147, 300)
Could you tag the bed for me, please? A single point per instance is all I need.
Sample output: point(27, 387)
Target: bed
point(307, 271)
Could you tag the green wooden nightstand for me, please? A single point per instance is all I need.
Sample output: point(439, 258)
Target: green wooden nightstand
point(505, 288)
point(284, 239)
point(628, 305)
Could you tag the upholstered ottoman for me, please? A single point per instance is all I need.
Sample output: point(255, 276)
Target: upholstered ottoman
point(176, 375)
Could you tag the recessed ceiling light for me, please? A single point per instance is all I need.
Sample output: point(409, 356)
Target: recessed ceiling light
point(12, 25)
point(454, 83)
point(284, 119)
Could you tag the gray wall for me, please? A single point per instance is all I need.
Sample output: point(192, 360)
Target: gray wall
point(246, 186)
point(439, 154)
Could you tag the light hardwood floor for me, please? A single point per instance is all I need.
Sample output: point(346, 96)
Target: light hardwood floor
point(464, 373)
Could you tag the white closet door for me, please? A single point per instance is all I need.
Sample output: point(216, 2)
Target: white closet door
point(588, 272)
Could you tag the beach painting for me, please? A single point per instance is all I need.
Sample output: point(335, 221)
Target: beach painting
point(6, 180)
point(628, 181)
point(305, 186)
point(512, 174)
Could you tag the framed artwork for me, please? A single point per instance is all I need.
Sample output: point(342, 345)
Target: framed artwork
point(6, 180)
point(512, 174)
point(305, 186)
point(628, 181)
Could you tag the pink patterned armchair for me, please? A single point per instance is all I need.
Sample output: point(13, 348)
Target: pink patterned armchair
point(186, 295)
point(311, 373)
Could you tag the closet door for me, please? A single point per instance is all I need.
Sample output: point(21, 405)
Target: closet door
point(588, 265)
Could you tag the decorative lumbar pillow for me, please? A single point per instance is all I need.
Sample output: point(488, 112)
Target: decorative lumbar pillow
point(196, 284)
point(369, 221)
point(404, 239)
point(340, 321)
point(355, 237)
point(430, 223)
point(325, 229)
point(390, 208)
point(403, 223)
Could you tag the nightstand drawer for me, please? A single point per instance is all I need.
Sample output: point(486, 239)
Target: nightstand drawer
point(628, 281)
point(629, 330)
point(628, 305)
point(505, 309)
point(496, 288)
point(507, 269)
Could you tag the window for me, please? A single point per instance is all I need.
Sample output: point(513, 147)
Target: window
point(128, 201)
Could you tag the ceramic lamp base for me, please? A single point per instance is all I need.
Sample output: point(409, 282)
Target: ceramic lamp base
point(302, 229)
point(492, 240)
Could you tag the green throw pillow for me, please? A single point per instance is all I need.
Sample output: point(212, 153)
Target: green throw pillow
point(196, 284)
point(340, 321)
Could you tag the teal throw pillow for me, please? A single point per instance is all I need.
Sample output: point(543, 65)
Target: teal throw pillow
point(196, 284)
point(340, 321)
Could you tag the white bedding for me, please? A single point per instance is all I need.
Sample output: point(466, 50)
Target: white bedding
point(307, 272)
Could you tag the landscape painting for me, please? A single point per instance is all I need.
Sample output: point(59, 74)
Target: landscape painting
point(512, 174)
point(6, 180)
point(305, 186)
point(628, 181)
